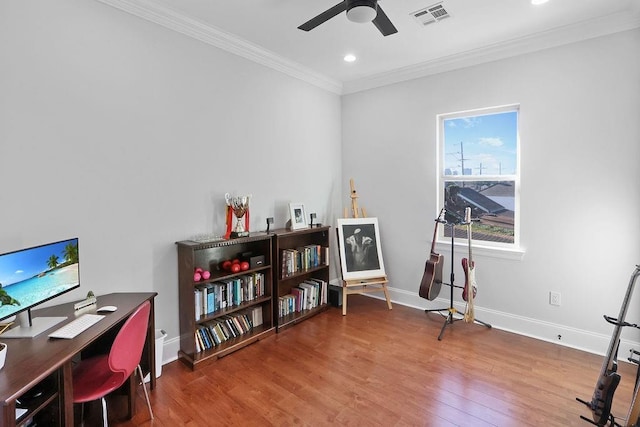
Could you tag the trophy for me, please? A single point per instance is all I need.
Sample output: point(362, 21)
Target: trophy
point(239, 205)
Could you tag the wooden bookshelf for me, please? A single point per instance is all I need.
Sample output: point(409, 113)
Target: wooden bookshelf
point(209, 256)
point(287, 275)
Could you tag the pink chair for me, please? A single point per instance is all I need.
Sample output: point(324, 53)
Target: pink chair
point(95, 377)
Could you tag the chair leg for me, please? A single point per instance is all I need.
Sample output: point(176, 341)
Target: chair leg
point(144, 387)
point(104, 412)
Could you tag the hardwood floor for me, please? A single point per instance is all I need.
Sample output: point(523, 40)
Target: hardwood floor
point(380, 367)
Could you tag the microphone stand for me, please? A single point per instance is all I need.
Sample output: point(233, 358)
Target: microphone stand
point(451, 309)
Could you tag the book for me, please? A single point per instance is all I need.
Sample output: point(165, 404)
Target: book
point(203, 338)
point(256, 316)
point(226, 294)
point(202, 292)
point(244, 321)
point(207, 332)
point(325, 256)
point(213, 334)
point(304, 298)
point(248, 319)
point(197, 293)
point(323, 289)
point(259, 284)
point(211, 303)
point(299, 295)
point(236, 321)
point(199, 344)
point(315, 289)
point(231, 325)
point(222, 330)
point(310, 294)
point(250, 292)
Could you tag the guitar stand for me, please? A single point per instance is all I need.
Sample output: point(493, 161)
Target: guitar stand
point(602, 400)
point(449, 320)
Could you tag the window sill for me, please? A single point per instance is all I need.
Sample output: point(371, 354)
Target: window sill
point(514, 254)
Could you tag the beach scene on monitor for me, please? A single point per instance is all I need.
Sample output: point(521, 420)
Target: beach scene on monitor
point(37, 274)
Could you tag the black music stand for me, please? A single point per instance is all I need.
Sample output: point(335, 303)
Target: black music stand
point(451, 309)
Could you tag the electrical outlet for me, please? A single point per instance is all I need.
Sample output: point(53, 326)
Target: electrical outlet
point(554, 298)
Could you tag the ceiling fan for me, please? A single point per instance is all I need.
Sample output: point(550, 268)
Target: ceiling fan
point(357, 11)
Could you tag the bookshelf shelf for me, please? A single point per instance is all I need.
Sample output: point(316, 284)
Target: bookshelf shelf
point(302, 273)
point(293, 318)
point(41, 404)
point(195, 360)
point(228, 311)
point(236, 308)
point(299, 256)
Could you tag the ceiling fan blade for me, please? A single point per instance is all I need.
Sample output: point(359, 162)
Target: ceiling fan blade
point(383, 23)
point(324, 16)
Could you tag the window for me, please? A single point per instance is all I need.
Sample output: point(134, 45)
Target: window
point(479, 168)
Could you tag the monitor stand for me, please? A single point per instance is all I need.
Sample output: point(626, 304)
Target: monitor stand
point(29, 328)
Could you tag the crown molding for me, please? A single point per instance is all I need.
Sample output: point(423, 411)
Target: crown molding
point(190, 27)
point(193, 28)
point(606, 25)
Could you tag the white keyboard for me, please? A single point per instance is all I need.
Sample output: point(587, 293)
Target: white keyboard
point(76, 326)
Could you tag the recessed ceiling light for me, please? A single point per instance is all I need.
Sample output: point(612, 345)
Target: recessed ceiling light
point(537, 2)
point(349, 58)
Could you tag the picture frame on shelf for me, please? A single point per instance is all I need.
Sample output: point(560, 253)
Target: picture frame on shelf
point(360, 248)
point(298, 216)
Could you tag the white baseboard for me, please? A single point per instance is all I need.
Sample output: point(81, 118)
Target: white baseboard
point(546, 331)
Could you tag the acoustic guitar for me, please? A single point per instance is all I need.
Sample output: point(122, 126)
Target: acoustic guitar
point(470, 287)
point(432, 276)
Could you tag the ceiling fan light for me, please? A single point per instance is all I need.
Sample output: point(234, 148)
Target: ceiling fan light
point(364, 11)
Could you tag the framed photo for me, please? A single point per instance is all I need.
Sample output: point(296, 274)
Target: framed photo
point(360, 250)
point(298, 216)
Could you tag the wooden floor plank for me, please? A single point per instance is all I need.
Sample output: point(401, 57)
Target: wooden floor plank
point(380, 367)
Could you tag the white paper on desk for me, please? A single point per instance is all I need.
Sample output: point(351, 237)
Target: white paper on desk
point(20, 412)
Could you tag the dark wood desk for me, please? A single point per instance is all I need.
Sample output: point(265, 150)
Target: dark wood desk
point(47, 363)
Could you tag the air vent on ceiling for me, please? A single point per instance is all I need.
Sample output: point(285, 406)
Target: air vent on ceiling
point(428, 15)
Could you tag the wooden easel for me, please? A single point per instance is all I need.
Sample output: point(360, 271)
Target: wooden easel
point(355, 212)
point(360, 286)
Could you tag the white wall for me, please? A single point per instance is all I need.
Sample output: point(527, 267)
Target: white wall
point(580, 203)
point(127, 135)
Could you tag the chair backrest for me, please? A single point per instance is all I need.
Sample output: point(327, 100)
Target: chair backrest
point(126, 350)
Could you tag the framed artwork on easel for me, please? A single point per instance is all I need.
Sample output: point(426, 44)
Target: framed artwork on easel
point(360, 248)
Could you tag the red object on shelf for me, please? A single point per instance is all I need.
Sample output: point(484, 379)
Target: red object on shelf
point(227, 235)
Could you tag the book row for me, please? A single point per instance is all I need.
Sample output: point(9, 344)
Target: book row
point(211, 297)
point(215, 332)
point(303, 258)
point(305, 296)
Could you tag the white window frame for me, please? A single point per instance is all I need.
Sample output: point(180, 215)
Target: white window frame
point(494, 249)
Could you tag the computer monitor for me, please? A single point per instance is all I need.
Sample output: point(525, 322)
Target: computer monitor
point(35, 275)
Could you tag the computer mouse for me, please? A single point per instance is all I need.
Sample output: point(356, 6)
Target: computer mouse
point(107, 308)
